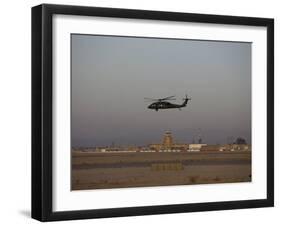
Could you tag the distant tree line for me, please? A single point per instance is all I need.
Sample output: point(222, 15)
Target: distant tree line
point(240, 140)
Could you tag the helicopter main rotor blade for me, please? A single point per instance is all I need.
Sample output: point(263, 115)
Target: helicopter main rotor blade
point(167, 98)
point(161, 99)
point(151, 99)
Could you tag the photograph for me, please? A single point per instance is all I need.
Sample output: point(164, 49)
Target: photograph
point(150, 111)
point(141, 112)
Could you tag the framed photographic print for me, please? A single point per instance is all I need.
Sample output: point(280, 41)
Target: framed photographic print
point(145, 112)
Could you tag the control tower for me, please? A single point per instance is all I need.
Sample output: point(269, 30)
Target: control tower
point(168, 144)
point(168, 140)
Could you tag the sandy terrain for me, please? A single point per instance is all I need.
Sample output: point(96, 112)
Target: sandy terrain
point(116, 170)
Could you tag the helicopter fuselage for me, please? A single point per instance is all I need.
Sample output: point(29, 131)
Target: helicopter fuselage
point(166, 105)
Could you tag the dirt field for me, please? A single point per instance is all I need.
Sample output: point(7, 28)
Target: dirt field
point(117, 170)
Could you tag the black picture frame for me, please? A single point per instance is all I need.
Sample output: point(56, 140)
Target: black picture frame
point(42, 111)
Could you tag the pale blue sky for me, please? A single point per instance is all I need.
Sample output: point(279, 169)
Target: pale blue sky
point(112, 75)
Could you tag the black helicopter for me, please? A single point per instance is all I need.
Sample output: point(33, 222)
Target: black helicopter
point(164, 103)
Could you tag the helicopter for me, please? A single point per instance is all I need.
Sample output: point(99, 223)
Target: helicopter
point(164, 103)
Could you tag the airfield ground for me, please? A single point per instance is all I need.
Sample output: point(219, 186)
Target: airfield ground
point(92, 170)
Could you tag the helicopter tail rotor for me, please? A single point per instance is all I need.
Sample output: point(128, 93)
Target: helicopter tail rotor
point(186, 97)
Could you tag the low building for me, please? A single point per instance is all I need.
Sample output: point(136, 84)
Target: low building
point(212, 147)
point(195, 147)
point(227, 147)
